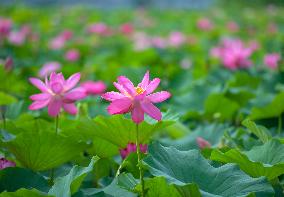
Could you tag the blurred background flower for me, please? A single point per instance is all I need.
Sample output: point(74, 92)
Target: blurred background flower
point(4, 163)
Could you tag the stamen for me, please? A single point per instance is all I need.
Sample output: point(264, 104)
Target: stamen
point(139, 90)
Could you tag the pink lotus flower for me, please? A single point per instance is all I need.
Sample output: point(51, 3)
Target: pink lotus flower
point(176, 39)
point(26, 29)
point(202, 143)
point(93, 87)
point(233, 54)
point(4, 163)
point(131, 148)
point(5, 27)
point(99, 28)
point(49, 68)
point(205, 24)
point(126, 28)
point(271, 60)
point(236, 55)
point(137, 100)
point(159, 42)
point(141, 41)
point(57, 43)
point(216, 52)
point(72, 55)
point(17, 38)
point(57, 93)
point(233, 26)
point(8, 64)
point(253, 45)
point(66, 35)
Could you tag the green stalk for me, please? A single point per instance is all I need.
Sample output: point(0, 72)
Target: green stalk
point(118, 170)
point(56, 124)
point(3, 118)
point(139, 160)
point(279, 124)
point(51, 180)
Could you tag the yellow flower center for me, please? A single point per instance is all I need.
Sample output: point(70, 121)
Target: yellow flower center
point(139, 90)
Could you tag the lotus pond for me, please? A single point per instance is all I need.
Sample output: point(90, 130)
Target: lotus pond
point(141, 102)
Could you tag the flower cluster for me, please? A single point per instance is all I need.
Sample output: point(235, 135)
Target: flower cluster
point(102, 29)
point(175, 39)
point(16, 38)
point(57, 93)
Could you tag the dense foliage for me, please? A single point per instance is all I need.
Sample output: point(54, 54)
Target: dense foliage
point(220, 132)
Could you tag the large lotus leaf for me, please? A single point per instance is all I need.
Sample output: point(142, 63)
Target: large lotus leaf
point(210, 132)
point(245, 80)
point(219, 107)
point(177, 130)
point(119, 130)
point(27, 123)
point(273, 109)
point(97, 146)
point(103, 168)
point(239, 95)
point(103, 148)
point(11, 83)
point(261, 132)
point(192, 97)
point(15, 109)
point(127, 181)
point(265, 160)
point(113, 190)
point(241, 87)
point(189, 167)
point(12, 179)
point(24, 193)
point(157, 186)
point(43, 150)
point(69, 184)
point(6, 99)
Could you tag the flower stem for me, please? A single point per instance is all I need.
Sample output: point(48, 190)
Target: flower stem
point(139, 160)
point(56, 124)
point(3, 117)
point(118, 170)
point(279, 124)
point(51, 179)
